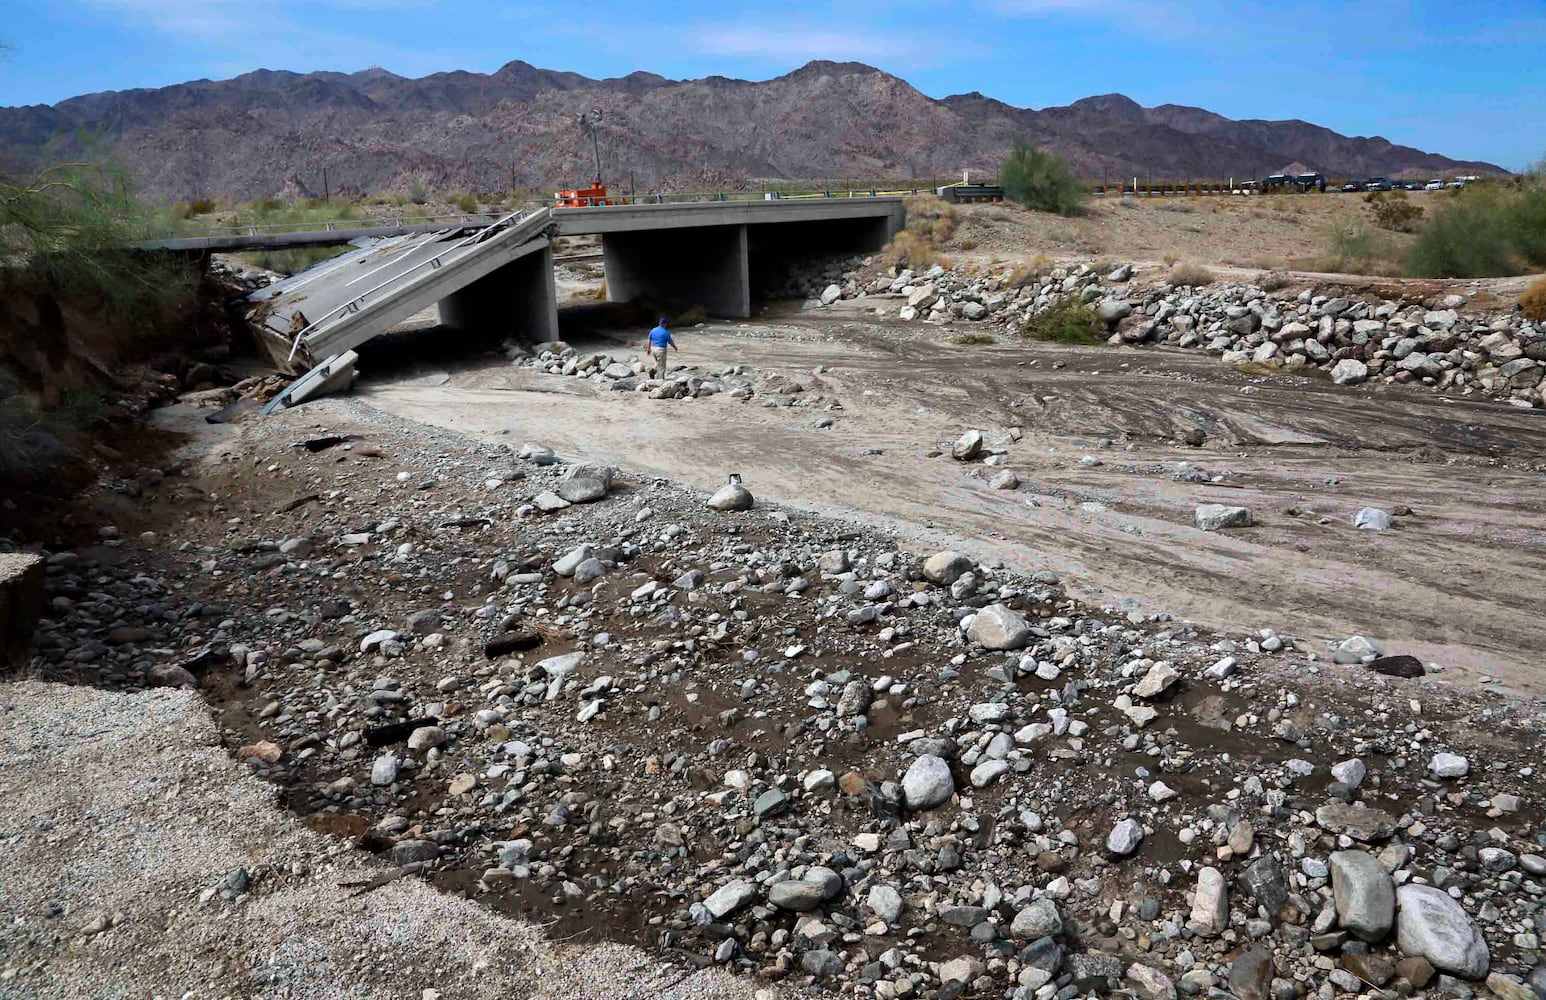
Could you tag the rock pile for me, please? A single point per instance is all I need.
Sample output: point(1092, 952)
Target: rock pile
point(1437, 342)
point(624, 374)
point(784, 745)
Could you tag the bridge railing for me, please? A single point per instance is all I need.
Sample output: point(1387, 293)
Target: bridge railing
point(334, 225)
point(709, 196)
point(489, 218)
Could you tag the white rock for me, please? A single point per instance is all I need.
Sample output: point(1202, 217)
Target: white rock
point(1449, 765)
point(1216, 516)
point(928, 783)
point(732, 496)
point(998, 627)
point(1210, 906)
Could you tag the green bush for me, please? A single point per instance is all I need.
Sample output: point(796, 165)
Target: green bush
point(1067, 322)
point(1394, 211)
point(971, 339)
point(1355, 247)
point(417, 194)
point(72, 225)
point(1469, 237)
point(464, 201)
point(1040, 179)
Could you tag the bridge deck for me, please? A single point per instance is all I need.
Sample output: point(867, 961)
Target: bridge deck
point(699, 254)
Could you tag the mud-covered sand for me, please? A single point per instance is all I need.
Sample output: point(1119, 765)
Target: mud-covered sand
point(1456, 583)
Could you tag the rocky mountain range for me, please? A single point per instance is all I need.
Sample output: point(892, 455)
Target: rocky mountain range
point(266, 133)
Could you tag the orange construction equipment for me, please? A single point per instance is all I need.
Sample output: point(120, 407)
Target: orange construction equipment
point(596, 194)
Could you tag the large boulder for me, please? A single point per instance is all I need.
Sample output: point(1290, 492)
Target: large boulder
point(927, 783)
point(732, 496)
point(1431, 924)
point(944, 568)
point(1364, 894)
point(586, 482)
point(1349, 371)
point(998, 627)
point(1038, 920)
point(1216, 516)
point(967, 447)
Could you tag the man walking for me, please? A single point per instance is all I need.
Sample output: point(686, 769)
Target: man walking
point(659, 343)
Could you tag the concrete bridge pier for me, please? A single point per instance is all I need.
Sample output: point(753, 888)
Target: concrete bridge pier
point(515, 299)
point(703, 266)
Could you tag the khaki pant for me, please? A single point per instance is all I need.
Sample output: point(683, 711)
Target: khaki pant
point(658, 362)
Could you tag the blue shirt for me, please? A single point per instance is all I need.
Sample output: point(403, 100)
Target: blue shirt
point(660, 337)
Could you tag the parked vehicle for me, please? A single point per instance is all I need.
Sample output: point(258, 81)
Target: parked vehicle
point(1411, 185)
point(1378, 184)
point(1437, 184)
point(1352, 186)
point(1308, 181)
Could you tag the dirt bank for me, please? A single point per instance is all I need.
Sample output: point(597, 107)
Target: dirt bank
point(127, 827)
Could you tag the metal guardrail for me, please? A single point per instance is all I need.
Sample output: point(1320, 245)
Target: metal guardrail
point(354, 304)
point(718, 196)
point(333, 225)
point(492, 218)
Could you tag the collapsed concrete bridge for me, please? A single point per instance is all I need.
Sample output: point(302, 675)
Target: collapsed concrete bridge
point(499, 276)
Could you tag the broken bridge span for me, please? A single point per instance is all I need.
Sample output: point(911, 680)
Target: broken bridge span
point(499, 276)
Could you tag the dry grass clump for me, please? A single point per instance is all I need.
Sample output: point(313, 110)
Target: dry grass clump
point(1533, 301)
point(1272, 280)
point(1027, 272)
point(930, 223)
point(971, 339)
point(1191, 274)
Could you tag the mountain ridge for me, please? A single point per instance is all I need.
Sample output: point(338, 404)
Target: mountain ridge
point(268, 131)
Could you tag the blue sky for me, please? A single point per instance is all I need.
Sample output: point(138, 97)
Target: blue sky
point(1464, 79)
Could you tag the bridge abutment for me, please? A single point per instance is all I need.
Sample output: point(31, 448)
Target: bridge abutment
point(703, 266)
point(517, 300)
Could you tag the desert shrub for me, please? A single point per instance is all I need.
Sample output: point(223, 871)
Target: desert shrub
point(1191, 274)
point(908, 249)
point(1533, 302)
point(967, 246)
point(417, 194)
point(1353, 246)
point(1067, 322)
point(1394, 211)
point(972, 339)
point(72, 226)
point(1272, 281)
point(1028, 272)
point(931, 217)
point(1468, 237)
point(1181, 207)
point(692, 317)
point(464, 201)
point(930, 222)
point(201, 206)
point(1040, 179)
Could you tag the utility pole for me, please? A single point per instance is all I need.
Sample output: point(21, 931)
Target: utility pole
point(589, 124)
point(325, 193)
